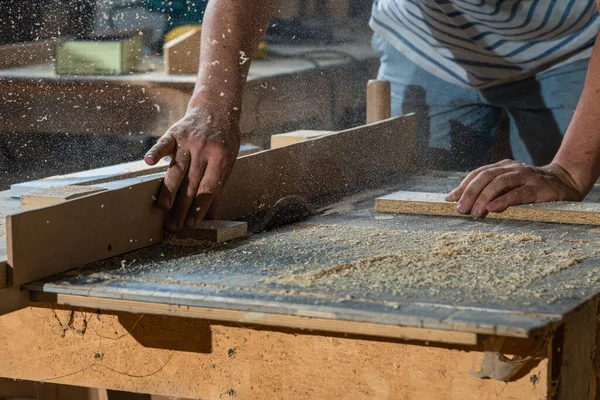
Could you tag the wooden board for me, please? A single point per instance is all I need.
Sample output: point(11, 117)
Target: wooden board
point(283, 139)
point(50, 196)
point(53, 239)
point(182, 55)
point(434, 204)
point(215, 231)
point(191, 358)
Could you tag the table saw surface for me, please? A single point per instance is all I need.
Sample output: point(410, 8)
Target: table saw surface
point(350, 263)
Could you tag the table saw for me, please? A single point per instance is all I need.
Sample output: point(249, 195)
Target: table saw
point(346, 303)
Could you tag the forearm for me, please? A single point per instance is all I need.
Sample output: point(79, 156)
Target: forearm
point(579, 153)
point(231, 32)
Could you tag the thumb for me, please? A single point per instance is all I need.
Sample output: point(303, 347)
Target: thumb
point(164, 147)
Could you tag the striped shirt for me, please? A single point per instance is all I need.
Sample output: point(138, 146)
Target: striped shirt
point(482, 43)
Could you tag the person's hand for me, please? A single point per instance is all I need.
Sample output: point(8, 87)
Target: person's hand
point(493, 188)
point(203, 147)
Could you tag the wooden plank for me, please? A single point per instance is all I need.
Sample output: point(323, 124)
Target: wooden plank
point(193, 358)
point(434, 204)
point(278, 320)
point(215, 231)
point(53, 239)
point(50, 196)
point(283, 139)
point(182, 55)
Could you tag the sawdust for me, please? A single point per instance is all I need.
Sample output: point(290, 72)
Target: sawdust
point(408, 263)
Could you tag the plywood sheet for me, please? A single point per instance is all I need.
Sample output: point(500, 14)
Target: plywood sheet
point(434, 204)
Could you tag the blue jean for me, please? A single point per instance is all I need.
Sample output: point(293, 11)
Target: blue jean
point(463, 123)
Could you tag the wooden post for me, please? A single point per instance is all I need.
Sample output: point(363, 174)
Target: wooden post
point(378, 101)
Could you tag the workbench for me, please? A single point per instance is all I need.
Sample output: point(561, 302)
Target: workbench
point(296, 87)
point(339, 305)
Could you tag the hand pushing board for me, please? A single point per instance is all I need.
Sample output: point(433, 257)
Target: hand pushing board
point(434, 204)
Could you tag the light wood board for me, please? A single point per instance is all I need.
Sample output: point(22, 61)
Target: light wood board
point(434, 204)
point(215, 231)
point(53, 239)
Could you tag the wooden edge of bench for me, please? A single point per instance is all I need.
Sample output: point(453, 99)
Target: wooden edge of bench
point(276, 320)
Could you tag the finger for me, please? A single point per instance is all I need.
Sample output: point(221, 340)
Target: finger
point(200, 208)
point(165, 146)
point(186, 195)
point(476, 186)
point(210, 187)
point(520, 195)
point(500, 185)
point(213, 211)
point(175, 173)
point(456, 194)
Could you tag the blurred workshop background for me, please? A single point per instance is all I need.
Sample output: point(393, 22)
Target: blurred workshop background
point(86, 83)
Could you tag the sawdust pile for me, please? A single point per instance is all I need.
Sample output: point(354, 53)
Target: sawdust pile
point(426, 263)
